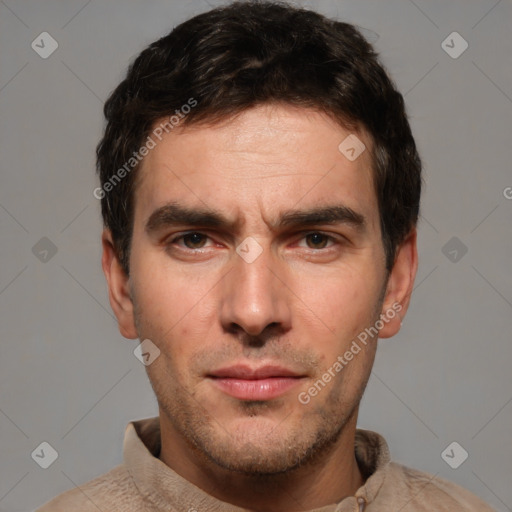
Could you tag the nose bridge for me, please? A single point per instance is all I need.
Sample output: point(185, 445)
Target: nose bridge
point(253, 297)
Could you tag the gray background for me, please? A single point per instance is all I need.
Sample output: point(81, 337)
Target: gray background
point(67, 376)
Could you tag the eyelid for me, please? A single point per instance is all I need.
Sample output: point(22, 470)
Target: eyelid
point(335, 239)
point(179, 236)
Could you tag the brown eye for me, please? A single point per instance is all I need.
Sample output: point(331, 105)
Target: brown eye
point(194, 240)
point(317, 240)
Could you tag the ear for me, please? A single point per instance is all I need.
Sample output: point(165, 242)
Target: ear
point(118, 287)
point(400, 286)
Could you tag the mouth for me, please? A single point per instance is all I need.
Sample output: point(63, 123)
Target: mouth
point(258, 384)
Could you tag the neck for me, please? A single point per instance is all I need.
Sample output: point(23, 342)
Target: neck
point(325, 480)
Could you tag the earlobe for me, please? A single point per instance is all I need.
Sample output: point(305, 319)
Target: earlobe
point(400, 286)
point(118, 287)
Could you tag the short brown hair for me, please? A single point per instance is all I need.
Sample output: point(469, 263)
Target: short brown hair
point(235, 57)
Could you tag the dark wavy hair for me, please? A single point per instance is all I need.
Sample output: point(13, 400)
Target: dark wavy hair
point(244, 54)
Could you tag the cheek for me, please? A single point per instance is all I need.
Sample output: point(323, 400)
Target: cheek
point(343, 301)
point(164, 294)
point(175, 312)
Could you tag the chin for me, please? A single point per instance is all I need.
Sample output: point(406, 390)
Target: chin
point(262, 446)
point(257, 459)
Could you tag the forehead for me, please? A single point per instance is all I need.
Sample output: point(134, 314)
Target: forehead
point(265, 160)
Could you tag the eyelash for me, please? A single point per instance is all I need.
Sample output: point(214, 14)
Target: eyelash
point(330, 238)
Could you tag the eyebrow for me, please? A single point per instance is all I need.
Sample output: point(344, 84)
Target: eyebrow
point(173, 214)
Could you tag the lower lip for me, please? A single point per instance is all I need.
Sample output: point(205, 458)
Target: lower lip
point(259, 389)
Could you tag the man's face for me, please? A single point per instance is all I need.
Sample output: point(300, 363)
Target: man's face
point(248, 315)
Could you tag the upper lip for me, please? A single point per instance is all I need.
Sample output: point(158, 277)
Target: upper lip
point(247, 373)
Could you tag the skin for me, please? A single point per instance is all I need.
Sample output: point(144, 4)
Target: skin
point(300, 304)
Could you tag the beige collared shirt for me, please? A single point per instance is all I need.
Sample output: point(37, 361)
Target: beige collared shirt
point(143, 483)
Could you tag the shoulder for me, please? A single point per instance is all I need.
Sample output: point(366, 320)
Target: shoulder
point(113, 491)
point(420, 491)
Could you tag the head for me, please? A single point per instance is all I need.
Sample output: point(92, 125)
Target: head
point(260, 190)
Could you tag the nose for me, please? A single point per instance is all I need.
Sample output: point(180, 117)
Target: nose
point(255, 296)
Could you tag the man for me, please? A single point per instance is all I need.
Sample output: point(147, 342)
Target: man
point(260, 190)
